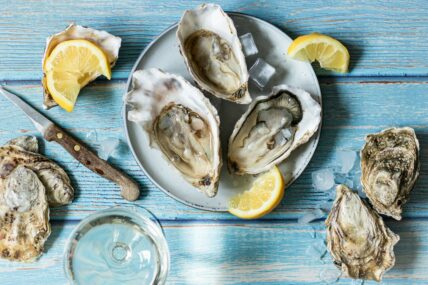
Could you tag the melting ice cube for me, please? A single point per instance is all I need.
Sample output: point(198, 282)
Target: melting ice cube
point(323, 179)
point(111, 147)
point(261, 72)
point(248, 44)
point(310, 216)
point(330, 275)
point(346, 159)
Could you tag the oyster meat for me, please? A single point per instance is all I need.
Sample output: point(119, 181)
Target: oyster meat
point(181, 122)
point(389, 169)
point(357, 238)
point(271, 128)
point(20, 152)
point(108, 43)
point(213, 54)
point(24, 215)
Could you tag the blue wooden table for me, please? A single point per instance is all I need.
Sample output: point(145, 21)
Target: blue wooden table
point(387, 86)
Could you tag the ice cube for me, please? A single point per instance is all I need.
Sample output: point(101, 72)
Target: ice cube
point(339, 178)
point(111, 147)
point(92, 136)
point(261, 72)
point(330, 275)
point(323, 179)
point(346, 160)
point(310, 216)
point(248, 44)
point(317, 249)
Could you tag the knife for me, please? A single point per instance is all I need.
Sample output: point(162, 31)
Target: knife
point(51, 132)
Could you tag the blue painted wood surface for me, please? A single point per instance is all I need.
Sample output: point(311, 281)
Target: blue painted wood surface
point(387, 86)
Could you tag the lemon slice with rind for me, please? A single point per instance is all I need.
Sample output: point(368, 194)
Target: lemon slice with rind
point(329, 52)
point(263, 196)
point(71, 65)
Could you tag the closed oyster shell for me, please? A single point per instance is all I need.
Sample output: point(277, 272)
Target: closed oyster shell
point(271, 129)
point(179, 121)
point(24, 216)
point(213, 54)
point(389, 169)
point(357, 238)
point(57, 183)
point(108, 43)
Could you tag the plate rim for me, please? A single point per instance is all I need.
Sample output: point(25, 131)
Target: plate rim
point(125, 119)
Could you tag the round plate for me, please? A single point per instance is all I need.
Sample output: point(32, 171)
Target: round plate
point(163, 53)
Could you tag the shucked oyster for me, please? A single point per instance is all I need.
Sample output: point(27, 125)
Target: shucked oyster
point(108, 43)
point(389, 169)
point(271, 128)
point(213, 54)
point(24, 215)
point(357, 238)
point(20, 151)
point(181, 122)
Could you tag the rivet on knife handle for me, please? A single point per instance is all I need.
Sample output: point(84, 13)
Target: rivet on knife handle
point(129, 188)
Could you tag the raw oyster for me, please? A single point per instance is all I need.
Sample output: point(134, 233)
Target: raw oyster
point(24, 215)
point(109, 44)
point(57, 183)
point(213, 54)
point(357, 238)
point(389, 169)
point(179, 121)
point(271, 128)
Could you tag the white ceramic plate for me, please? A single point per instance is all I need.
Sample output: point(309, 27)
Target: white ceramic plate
point(163, 53)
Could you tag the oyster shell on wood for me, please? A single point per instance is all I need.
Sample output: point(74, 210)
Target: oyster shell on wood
point(24, 215)
point(357, 238)
point(271, 128)
point(108, 43)
point(213, 54)
point(181, 122)
point(56, 181)
point(389, 169)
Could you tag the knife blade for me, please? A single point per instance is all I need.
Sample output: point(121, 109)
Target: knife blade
point(51, 132)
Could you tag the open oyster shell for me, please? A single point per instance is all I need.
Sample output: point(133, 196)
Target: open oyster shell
point(24, 215)
point(271, 128)
point(213, 54)
point(357, 238)
point(181, 122)
point(109, 44)
point(389, 169)
point(20, 152)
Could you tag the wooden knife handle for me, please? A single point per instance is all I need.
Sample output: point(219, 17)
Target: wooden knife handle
point(129, 189)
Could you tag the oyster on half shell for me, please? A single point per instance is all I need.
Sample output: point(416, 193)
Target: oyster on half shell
point(181, 122)
point(389, 169)
point(213, 54)
point(108, 43)
point(357, 238)
point(271, 128)
point(24, 215)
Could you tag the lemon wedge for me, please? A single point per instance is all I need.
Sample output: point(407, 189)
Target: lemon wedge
point(71, 65)
point(263, 196)
point(329, 52)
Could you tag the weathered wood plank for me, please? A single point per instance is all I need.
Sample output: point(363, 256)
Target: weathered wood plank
point(215, 252)
point(352, 109)
point(384, 37)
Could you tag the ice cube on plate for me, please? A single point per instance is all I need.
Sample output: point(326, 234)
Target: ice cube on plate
point(248, 44)
point(261, 72)
point(323, 179)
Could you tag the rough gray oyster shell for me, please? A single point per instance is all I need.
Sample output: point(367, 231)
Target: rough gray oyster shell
point(389, 169)
point(20, 151)
point(357, 238)
point(24, 215)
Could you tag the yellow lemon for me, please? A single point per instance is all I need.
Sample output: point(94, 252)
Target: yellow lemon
point(263, 196)
point(329, 52)
point(71, 65)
